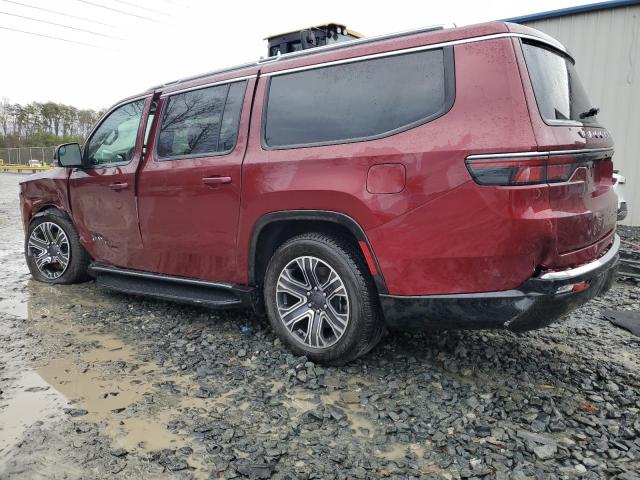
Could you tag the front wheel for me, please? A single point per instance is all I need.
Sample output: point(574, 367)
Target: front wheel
point(53, 250)
point(321, 300)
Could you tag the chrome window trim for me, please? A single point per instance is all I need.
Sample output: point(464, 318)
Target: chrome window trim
point(587, 268)
point(539, 154)
point(583, 150)
point(414, 49)
point(355, 43)
point(207, 85)
point(344, 45)
point(567, 123)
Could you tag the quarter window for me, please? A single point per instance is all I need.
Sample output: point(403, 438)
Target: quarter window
point(114, 141)
point(201, 122)
point(557, 87)
point(358, 100)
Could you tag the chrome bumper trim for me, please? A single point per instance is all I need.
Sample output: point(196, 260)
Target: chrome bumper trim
point(587, 268)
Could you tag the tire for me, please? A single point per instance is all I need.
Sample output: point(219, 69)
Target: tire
point(352, 297)
point(45, 231)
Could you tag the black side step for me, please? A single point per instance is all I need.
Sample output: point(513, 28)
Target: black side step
point(178, 289)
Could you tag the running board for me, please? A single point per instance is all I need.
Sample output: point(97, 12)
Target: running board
point(172, 288)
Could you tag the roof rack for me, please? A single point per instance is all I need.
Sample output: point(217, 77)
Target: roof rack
point(309, 52)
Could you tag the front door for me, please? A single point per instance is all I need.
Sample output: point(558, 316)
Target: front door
point(103, 199)
point(190, 183)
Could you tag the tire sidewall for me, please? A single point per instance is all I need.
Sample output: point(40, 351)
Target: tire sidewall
point(337, 261)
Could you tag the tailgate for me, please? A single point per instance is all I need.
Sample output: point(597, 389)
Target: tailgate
point(579, 172)
point(585, 206)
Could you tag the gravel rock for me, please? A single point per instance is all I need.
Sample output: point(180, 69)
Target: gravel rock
point(75, 412)
point(545, 452)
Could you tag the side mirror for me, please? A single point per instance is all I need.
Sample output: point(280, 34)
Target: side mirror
point(69, 155)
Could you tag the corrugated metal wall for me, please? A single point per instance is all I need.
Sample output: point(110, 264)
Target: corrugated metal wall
point(606, 46)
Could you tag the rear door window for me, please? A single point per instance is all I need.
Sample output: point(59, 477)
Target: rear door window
point(201, 122)
point(560, 96)
point(358, 100)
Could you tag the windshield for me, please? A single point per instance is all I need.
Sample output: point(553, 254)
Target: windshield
point(557, 87)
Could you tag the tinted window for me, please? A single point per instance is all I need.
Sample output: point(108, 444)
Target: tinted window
point(114, 141)
point(231, 117)
point(147, 130)
point(355, 100)
point(557, 87)
point(198, 122)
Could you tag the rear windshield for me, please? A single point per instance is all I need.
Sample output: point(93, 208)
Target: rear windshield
point(559, 92)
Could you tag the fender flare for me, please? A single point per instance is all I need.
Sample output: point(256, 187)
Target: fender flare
point(47, 208)
point(316, 215)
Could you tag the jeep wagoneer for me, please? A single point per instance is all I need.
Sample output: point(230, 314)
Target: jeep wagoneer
point(440, 178)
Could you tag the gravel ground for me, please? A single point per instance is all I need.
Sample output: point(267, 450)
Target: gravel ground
point(96, 384)
point(630, 234)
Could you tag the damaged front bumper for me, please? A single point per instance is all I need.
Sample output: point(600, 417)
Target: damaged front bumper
point(536, 303)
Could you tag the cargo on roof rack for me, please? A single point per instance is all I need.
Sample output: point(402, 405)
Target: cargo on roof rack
point(311, 37)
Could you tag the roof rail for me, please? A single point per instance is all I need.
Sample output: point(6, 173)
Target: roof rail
point(311, 51)
point(206, 74)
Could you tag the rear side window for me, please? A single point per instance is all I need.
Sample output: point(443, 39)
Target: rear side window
point(358, 100)
point(559, 93)
point(201, 122)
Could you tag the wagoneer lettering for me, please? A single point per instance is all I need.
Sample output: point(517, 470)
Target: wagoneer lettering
point(440, 178)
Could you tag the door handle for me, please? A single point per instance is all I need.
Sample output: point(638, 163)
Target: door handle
point(118, 186)
point(213, 181)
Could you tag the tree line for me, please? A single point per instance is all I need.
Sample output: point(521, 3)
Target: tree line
point(43, 124)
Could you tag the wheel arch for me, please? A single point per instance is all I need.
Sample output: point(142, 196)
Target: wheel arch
point(273, 229)
point(45, 209)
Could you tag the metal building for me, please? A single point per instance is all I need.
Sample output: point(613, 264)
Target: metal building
point(604, 38)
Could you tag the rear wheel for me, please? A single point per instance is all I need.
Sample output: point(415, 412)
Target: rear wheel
point(321, 299)
point(53, 250)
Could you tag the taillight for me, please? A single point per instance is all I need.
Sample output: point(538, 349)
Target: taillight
point(560, 168)
point(605, 170)
point(521, 170)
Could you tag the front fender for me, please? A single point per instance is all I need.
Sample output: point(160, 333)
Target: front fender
point(43, 191)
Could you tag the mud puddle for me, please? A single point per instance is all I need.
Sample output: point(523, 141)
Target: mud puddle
point(83, 374)
point(346, 403)
point(28, 399)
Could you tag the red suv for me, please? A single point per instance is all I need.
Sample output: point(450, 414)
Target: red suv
point(442, 178)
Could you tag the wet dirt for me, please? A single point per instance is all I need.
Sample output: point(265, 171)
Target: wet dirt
point(79, 371)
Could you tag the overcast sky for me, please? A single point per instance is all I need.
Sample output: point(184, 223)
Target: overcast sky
point(147, 42)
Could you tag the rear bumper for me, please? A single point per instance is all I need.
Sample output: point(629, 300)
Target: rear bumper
point(536, 303)
point(622, 211)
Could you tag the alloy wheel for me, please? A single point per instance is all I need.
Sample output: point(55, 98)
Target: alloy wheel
point(312, 302)
point(49, 246)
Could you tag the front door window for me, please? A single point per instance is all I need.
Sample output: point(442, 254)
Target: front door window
point(114, 141)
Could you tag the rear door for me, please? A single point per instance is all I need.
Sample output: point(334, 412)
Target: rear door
point(189, 186)
point(102, 194)
point(580, 163)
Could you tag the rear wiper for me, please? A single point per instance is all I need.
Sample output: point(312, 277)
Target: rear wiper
point(592, 112)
